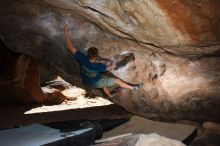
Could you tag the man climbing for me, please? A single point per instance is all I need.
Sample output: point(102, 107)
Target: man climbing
point(90, 71)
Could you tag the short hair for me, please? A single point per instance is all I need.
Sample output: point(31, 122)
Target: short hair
point(92, 53)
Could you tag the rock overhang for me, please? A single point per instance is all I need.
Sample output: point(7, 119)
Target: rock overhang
point(161, 35)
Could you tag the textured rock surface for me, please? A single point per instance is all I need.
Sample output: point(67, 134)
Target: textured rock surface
point(176, 87)
point(20, 80)
point(143, 140)
point(175, 26)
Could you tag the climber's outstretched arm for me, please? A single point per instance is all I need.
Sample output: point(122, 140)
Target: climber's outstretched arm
point(67, 39)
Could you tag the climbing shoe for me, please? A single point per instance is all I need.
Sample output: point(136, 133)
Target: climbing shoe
point(113, 95)
point(138, 86)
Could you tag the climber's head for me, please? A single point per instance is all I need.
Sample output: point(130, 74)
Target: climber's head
point(92, 53)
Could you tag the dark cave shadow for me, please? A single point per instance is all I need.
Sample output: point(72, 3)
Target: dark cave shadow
point(13, 115)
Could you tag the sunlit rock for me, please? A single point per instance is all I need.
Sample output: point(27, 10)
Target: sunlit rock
point(143, 140)
point(20, 80)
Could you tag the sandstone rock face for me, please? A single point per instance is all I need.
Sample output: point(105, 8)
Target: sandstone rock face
point(162, 36)
point(173, 87)
point(175, 26)
point(143, 140)
point(20, 80)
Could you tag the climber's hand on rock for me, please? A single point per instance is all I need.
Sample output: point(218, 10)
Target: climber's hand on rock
point(66, 28)
point(110, 67)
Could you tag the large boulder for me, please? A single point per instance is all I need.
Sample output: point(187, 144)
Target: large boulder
point(175, 46)
point(20, 80)
point(143, 140)
point(180, 27)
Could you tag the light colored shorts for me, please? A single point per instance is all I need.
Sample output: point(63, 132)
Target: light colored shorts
point(104, 82)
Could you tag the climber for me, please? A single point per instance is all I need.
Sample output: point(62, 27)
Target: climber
point(90, 71)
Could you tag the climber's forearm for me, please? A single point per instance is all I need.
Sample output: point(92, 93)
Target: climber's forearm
point(70, 45)
point(68, 42)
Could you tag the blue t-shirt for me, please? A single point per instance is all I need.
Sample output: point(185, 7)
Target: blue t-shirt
point(90, 72)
